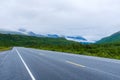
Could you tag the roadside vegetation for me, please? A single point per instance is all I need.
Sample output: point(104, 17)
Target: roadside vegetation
point(5, 48)
point(60, 44)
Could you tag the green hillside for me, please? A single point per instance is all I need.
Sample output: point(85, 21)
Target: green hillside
point(60, 44)
point(114, 38)
point(30, 41)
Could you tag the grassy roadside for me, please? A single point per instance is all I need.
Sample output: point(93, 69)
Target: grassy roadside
point(105, 51)
point(5, 48)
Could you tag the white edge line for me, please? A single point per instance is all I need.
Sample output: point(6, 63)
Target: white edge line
point(30, 73)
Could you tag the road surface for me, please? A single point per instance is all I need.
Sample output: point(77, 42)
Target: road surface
point(32, 64)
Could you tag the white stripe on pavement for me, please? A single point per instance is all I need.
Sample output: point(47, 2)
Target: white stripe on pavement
point(75, 64)
point(30, 73)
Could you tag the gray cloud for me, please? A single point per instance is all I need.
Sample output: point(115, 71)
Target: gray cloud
point(92, 19)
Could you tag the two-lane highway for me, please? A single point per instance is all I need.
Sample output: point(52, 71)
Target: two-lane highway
point(32, 64)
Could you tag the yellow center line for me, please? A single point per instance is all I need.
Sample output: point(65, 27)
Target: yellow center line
point(76, 64)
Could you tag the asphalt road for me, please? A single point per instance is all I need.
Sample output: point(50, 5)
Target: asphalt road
point(32, 64)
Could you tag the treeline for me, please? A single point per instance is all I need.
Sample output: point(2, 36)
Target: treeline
point(61, 44)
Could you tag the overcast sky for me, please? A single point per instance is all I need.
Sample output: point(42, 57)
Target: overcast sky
point(92, 19)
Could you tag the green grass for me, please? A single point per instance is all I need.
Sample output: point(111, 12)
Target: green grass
point(5, 48)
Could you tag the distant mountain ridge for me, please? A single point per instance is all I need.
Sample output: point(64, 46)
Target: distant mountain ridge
point(77, 37)
point(114, 38)
point(30, 33)
point(10, 32)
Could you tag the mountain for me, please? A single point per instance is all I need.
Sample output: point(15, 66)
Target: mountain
point(30, 33)
point(52, 36)
point(72, 38)
point(23, 31)
point(76, 38)
point(9, 40)
point(114, 38)
point(10, 32)
point(79, 39)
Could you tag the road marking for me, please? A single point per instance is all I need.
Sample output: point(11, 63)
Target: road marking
point(75, 64)
point(30, 73)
